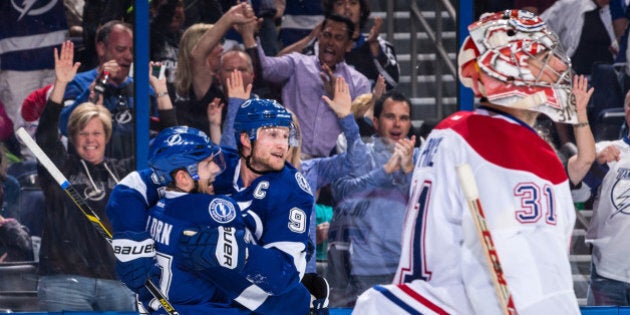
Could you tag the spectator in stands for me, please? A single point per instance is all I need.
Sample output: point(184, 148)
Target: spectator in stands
point(25, 57)
point(198, 63)
point(15, 243)
point(261, 87)
point(166, 29)
point(307, 78)
point(608, 230)
point(236, 60)
point(114, 46)
point(371, 55)
point(76, 264)
point(584, 28)
point(267, 13)
point(370, 205)
point(33, 106)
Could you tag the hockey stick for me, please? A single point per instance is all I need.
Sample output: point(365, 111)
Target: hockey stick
point(89, 213)
point(471, 193)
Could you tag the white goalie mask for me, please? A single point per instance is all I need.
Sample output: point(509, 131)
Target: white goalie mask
point(513, 59)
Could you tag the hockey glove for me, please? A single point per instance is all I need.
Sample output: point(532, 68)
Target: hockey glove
point(318, 287)
point(211, 247)
point(135, 259)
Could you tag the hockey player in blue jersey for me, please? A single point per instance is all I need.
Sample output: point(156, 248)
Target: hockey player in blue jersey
point(209, 273)
point(279, 198)
point(280, 203)
point(186, 163)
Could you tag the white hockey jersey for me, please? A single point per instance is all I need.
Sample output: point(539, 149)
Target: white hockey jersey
point(609, 226)
point(525, 195)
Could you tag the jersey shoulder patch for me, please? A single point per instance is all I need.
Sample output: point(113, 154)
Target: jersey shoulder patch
point(222, 210)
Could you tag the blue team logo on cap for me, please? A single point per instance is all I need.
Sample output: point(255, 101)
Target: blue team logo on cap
point(174, 140)
point(222, 211)
point(246, 103)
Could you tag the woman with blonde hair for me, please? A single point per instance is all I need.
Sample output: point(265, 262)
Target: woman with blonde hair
point(76, 264)
point(198, 61)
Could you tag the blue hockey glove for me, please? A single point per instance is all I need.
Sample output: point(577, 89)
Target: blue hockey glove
point(211, 247)
point(318, 287)
point(135, 259)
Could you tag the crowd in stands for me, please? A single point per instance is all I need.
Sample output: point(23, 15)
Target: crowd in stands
point(68, 81)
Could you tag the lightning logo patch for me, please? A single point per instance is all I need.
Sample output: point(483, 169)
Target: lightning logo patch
point(620, 193)
point(27, 7)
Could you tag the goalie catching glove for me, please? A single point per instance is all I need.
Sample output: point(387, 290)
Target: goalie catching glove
point(211, 247)
point(135, 259)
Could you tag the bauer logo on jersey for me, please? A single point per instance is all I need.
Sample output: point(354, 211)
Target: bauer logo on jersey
point(620, 193)
point(222, 210)
point(303, 183)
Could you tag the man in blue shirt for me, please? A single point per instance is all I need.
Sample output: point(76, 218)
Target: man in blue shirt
point(364, 235)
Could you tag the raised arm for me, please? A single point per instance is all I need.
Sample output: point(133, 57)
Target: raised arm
point(214, 111)
point(166, 111)
point(302, 43)
point(65, 70)
point(383, 54)
point(238, 14)
point(237, 94)
point(579, 164)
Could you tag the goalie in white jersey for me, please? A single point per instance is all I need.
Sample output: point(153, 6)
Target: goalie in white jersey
point(514, 63)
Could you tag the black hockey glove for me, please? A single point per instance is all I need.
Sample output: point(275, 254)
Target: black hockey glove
point(211, 247)
point(318, 287)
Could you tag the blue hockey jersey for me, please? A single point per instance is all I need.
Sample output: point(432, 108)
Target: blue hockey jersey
point(176, 212)
point(278, 211)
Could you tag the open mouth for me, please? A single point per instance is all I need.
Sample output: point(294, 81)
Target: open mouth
point(329, 53)
point(89, 148)
point(395, 135)
point(278, 155)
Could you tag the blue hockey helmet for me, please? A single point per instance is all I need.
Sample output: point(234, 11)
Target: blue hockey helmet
point(181, 147)
point(259, 113)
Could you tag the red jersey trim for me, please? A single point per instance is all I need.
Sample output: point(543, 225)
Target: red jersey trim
point(493, 139)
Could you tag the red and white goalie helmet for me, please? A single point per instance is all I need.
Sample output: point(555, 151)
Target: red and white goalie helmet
point(498, 62)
